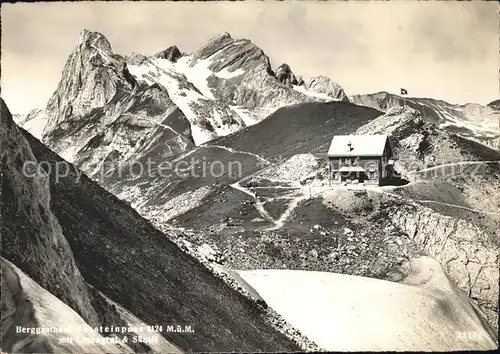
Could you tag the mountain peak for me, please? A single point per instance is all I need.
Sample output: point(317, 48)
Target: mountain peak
point(325, 85)
point(285, 68)
point(91, 77)
point(494, 104)
point(285, 75)
point(223, 35)
point(214, 45)
point(172, 53)
point(93, 39)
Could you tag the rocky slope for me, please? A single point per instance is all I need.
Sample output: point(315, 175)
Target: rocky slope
point(161, 284)
point(467, 253)
point(39, 246)
point(472, 121)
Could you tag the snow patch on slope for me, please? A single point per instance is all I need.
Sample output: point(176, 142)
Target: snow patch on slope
point(141, 72)
point(221, 128)
point(187, 86)
point(25, 303)
point(226, 74)
point(196, 74)
point(349, 313)
point(176, 83)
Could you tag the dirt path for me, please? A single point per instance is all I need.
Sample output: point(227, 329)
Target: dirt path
point(453, 165)
point(277, 223)
point(260, 158)
point(305, 192)
point(454, 205)
point(258, 204)
point(286, 214)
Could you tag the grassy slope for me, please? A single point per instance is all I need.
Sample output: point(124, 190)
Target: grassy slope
point(300, 128)
point(223, 203)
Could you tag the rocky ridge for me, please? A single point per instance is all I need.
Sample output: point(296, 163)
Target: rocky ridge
point(324, 85)
point(223, 86)
point(471, 121)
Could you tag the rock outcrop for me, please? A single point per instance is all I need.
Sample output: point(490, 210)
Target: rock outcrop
point(468, 254)
point(172, 53)
point(285, 75)
point(324, 85)
point(31, 235)
point(91, 78)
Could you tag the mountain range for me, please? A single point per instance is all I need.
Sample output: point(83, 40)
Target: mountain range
point(224, 86)
point(196, 248)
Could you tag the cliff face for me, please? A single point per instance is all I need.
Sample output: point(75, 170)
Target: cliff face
point(467, 253)
point(31, 235)
point(46, 215)
point(91, 77)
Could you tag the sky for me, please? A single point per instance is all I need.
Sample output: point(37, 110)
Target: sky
point(442, 49)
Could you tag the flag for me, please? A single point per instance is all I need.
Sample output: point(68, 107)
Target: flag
point(404, 92)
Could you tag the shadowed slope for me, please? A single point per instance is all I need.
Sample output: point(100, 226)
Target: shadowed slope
point(135, 265)
point(123, 256)
point(301, 128)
